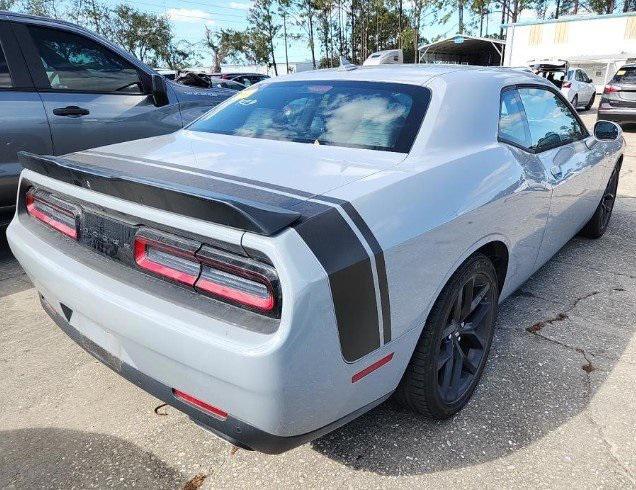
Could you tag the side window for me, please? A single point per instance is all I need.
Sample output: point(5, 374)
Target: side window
point(5, 76)
point(73, 62)
point(552, 123)
point(513, 126)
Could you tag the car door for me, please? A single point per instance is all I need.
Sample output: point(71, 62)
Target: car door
point(23, 123)
point(587, 87)
point(573, 167)
point(91, 94)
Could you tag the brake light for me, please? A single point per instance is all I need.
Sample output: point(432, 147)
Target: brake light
point(246, 283)
point(200, 404)
point(566, 84)
point(53, 211)
point(167, 256)
point(221, 275)
point(611, 89)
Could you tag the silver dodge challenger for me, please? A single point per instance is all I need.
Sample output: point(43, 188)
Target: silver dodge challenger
point(316, 243)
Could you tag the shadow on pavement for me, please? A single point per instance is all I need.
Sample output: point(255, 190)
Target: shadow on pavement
point(65, 458)
point(12, 277)
point(557, 340)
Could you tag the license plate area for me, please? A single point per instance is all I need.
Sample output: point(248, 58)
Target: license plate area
point(108, 236)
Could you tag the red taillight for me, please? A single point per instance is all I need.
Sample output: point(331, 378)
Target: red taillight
point(246, 283)
point(200, 404)
point(238, 280)
point(566, 84)
point(56, 213)
point(167, 256)
point(611, 89)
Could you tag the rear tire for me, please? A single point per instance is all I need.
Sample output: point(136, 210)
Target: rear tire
point(575, 101)
point(451, 353)
point(597, 225)
point(591, 102)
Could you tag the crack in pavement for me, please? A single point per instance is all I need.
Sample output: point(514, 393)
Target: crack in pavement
point(595, 269)
point(588, 367)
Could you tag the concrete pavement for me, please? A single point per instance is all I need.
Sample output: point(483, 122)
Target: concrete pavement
point(556, 406)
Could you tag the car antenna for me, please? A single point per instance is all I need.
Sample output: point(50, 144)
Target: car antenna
point(346, 65)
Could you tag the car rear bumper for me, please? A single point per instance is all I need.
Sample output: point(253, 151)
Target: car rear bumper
point(621, 116)
point(280, 388)
point(232, 430)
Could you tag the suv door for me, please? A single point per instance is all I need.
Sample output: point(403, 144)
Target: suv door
point(23, 124)
point(572, 165)
point(91, 94)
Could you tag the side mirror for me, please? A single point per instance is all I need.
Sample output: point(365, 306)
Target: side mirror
point(159, 90)
point(607, 131)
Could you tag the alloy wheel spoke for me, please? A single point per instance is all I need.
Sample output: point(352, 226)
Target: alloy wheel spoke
point(467, 298)
point(458, 364)
point(479, 297)
point(469, 366)
point(447, 374)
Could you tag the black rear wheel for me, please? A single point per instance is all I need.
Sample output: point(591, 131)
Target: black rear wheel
point(591, 102)
point(452, 351)
point(597, 225)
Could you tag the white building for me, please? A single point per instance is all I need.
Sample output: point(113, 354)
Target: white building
point(294, 67)
point(598, 44)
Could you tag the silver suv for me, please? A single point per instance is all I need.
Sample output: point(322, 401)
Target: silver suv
point(64, 89)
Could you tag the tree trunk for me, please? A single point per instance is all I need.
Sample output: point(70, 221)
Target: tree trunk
point(285, 38)
point(460, 16)
point(271, 48)
point(311, 36)
point(400, 25)
point(558, 6)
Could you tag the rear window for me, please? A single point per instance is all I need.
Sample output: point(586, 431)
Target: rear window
point(370, 115)
point(625, 75)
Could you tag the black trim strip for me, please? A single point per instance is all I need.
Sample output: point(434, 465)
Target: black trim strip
point(380, 267)
point(348, 265)
point(232, 430)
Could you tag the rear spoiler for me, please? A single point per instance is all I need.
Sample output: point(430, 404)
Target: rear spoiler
point(194, 202)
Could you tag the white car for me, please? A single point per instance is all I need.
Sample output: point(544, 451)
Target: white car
point(574, 83)
point(316, 243)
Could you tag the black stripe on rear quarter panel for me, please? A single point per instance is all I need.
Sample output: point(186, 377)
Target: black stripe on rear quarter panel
point(348, 265)
point(380, 267)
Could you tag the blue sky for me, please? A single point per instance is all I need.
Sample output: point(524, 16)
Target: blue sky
point(189, 18)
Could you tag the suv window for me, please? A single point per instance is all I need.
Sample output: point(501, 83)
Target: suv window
point(552, 123)
point(5, 76)
point(625, 75)
point(513, 126)
point(370, 115)
point(73, 62)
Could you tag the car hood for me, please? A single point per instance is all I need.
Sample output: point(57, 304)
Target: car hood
point(312, 169)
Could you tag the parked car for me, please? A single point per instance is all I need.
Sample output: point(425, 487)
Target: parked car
point(194, 79)
point(618, 102)
point(574, 83)
point(321, 241)
point(245, 79)
point(64, 89)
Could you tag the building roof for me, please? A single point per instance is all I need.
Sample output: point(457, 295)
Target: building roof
point(461, 40)
point(569, 18)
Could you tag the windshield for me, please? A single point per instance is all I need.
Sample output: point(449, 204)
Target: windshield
point(625, 75)
point(370, 115)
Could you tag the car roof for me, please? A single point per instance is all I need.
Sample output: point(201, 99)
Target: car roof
point(414, 74)
point(6, 15)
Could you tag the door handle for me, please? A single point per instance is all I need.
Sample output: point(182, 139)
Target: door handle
point(71, 111)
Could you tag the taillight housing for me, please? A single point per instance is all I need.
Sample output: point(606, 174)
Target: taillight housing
point(167, 255)
point(53, 211)
point(221, 275)
point(566, 84)
point(244, 282)
point(611, 89)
